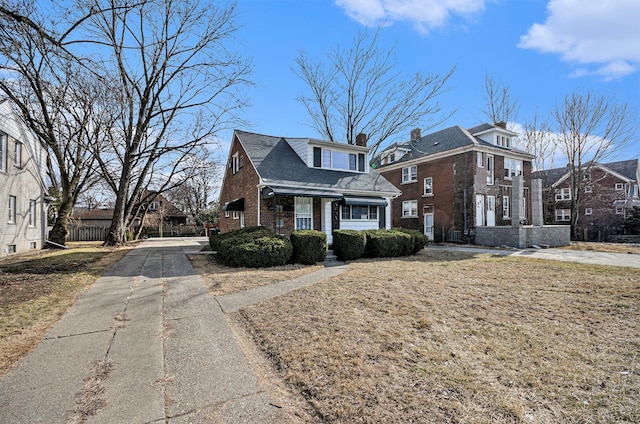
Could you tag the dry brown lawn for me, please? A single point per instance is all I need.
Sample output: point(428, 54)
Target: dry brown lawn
point(221, 279)
point(605, 247)
point(454, 337)
point(37, 288)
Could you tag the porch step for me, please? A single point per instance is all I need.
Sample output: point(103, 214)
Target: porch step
point(330, 256)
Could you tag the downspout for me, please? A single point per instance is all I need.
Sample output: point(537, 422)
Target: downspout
point(259, 206)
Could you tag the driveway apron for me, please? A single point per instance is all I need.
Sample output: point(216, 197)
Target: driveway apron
point(147, 343)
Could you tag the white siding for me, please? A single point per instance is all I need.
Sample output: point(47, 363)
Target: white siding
point(302, 149)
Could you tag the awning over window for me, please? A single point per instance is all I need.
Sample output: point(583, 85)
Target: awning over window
point(271, 191)
point(236, 205)
point(365, 201)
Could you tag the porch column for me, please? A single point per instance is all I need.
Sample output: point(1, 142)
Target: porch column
point(517, 191)
point(537, 217)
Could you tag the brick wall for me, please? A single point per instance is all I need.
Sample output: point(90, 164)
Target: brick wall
point(242, 184)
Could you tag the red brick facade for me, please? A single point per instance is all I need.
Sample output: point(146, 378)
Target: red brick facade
point(597, 214)
point(456, 180)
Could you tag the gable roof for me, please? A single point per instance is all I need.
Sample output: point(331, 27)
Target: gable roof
point(278, 164)
point(627, 169)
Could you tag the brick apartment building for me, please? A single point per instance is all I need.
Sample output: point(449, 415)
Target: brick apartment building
point(455, 180)
point(608, 193)
point(288, 184)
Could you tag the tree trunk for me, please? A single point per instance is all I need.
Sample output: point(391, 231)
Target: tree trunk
point(59, 231)
point(117, 231)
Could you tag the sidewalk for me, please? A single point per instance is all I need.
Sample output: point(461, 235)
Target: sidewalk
point(146, 344)
point(566, 255)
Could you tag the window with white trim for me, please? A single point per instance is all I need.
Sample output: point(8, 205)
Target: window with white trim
point(490, 171)
point(153, 206)
point(588, 189)
point(3, 152)
point(32, 213)
point(512, 168)
point(335, 159)
point(236, 215)
point(588, 211)
point(227, 214)
point(619, 186)
point(563, 215)
point(428, 186)
point(619, 210)
point(409, 174)
point(506, 212)
point(480, 160)
point(362, 212)
point(17, 154)
point(12, 209)
point(304, 213)
point(235, 162)
point(563, 194)
point(409, 208)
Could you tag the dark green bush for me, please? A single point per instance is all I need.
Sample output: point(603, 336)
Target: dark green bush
point(348, 244)
point(388, 243)
point(420, 241)
point(309, 246)
point(255, 250)
point(216, 239)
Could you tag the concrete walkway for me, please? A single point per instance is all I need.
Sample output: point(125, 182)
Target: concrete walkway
point(147, 343)
point(566, 255)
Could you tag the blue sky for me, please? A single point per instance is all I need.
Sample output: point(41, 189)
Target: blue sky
point(541, 49)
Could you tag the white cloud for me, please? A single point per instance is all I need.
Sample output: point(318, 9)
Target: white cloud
point(426, 15)
point(590, 32)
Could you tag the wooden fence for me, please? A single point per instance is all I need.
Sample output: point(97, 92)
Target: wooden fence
point(84, 233)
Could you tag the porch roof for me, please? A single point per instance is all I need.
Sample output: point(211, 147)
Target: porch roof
point(272, 190)
point(365, 201)
point(235, 205)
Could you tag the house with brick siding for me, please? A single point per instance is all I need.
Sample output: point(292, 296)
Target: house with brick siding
point(456, 180)
point(23, 193)
point(609, 192)
point(288, 184)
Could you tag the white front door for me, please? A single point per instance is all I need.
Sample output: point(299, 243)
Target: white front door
point(491, 211)
point(479, 210)
point(428, 225)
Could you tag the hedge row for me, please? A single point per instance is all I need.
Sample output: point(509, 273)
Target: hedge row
point(351, 244)
point(258, 247)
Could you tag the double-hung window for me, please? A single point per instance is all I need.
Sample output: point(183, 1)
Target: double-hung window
point(428, 186)
point(18, 154)
point(359, 212)
point(410, 208)
point(563, 194)
point(409, 174)
point(506, 212)
point(12, 209)
point(304, 213)
point(512, 168)
point(563, 215)
point(32, 213)
point(3, 152)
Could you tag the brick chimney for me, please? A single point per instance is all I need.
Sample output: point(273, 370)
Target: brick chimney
point(416, 134)
point(501, 124)
point(361, 140)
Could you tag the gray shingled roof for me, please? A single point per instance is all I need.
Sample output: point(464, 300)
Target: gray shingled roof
point(278, 164)
point(627, 168)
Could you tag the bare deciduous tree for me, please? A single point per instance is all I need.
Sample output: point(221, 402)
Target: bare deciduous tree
point(537, 139)
point(174, 80)
point(500, 104)
point(591, 128)
point(357, 90)
point(56, 97)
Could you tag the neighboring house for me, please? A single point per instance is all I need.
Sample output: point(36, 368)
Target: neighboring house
point(157, 209)
point(22, 188)
point(456, 180)
point(610, 191)
point(289, 184)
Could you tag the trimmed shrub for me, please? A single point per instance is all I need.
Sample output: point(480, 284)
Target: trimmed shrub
point(255, 250)
point(348, 244)
point(216, 239)
point(420, 241)
point(388, 243)
point(309, 246)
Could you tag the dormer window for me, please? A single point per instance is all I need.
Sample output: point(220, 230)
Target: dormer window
point(338, 160)
point(503, 141)
point(153, 206)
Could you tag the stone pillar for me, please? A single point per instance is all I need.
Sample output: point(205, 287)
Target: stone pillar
point(537, 216)
point(517, 191)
